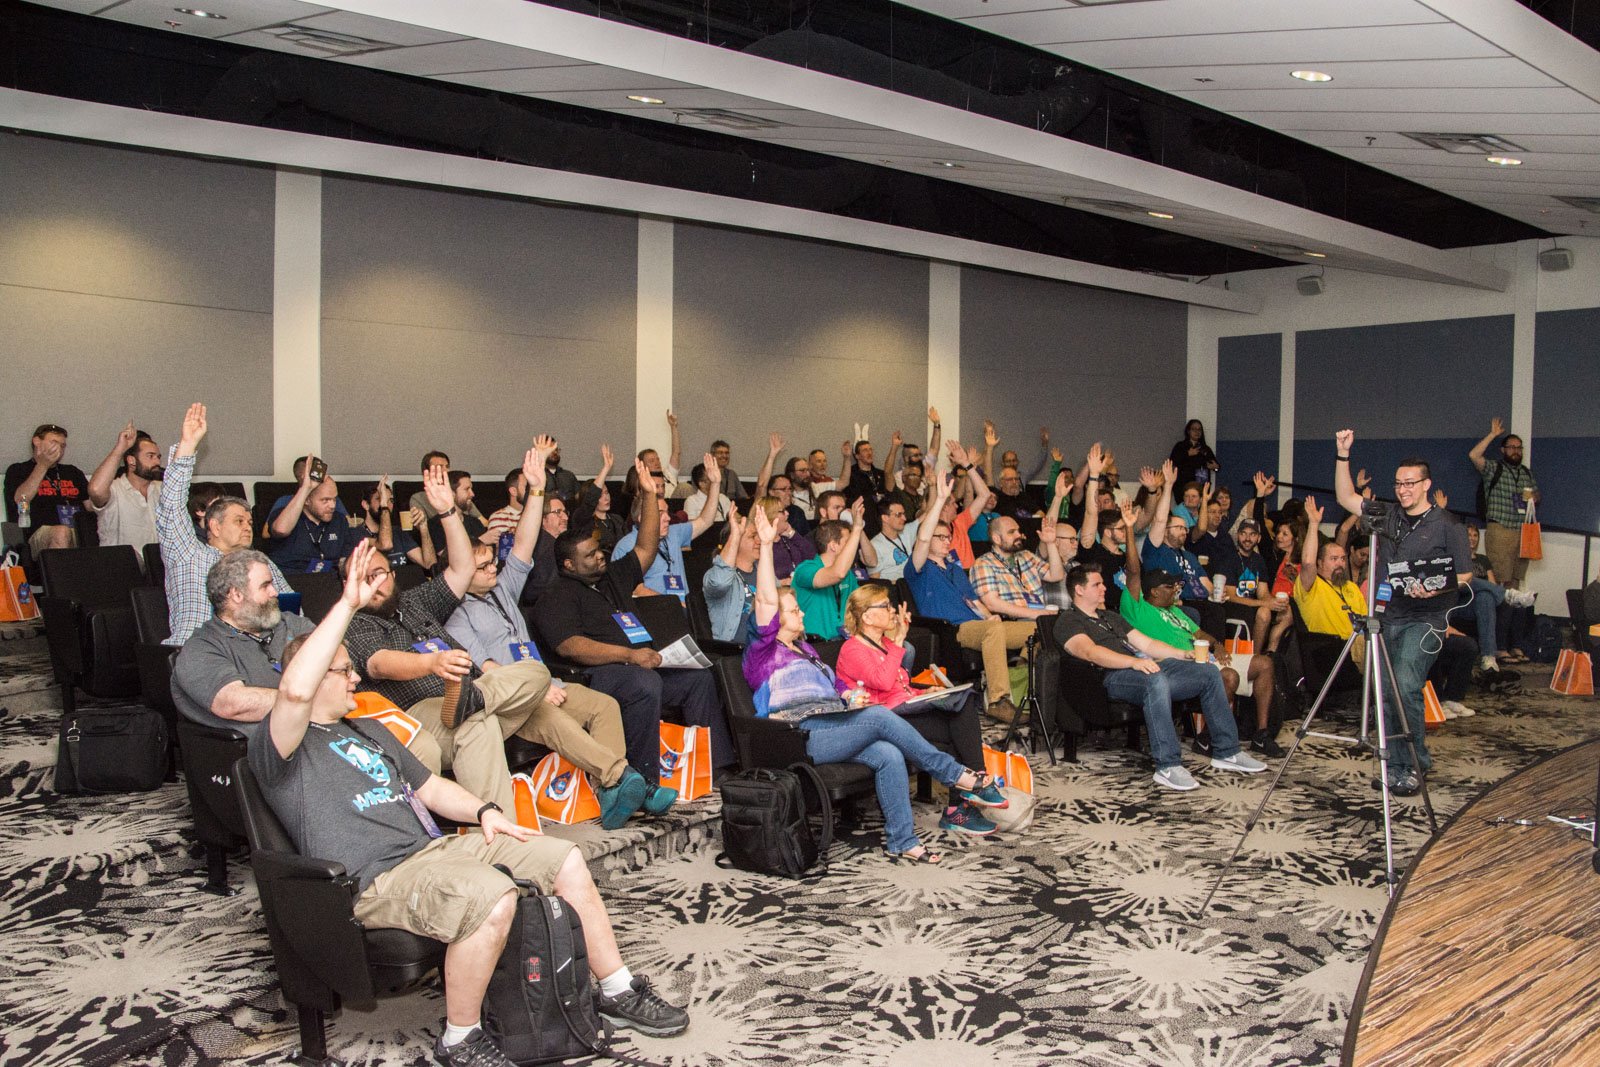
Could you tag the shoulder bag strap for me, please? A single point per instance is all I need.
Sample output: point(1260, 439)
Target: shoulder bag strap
point(825, 806)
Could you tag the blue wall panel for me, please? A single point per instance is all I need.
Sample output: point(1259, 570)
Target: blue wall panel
point(1249, 377)
point(1565, 442)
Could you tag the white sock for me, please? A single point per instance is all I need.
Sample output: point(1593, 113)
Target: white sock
point(1488, 663)
point(617, 982)
point(454, 1035)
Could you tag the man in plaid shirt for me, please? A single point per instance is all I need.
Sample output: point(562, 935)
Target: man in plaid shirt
point(186, 559)
point(1009, 579)
point(1508, 489)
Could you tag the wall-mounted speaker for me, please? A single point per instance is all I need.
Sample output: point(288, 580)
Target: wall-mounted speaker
point(1310, 285)
point(1556, 259)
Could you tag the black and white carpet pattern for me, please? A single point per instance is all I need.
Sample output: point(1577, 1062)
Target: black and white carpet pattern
point(1076, 941)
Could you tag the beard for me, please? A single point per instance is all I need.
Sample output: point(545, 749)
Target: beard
point(387, 607)
point(259, 618)
point(150, 474)
point(1340, 576)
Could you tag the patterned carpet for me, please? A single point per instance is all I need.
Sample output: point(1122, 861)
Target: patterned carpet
point(1076, 940)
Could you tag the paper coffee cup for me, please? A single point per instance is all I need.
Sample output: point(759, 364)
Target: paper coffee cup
point(1202, 651)
point(1205, 561)
point(1219, 587)
point(405, 520)
point(1281, 596)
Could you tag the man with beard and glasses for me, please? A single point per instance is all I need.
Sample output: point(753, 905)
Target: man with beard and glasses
point(1423, 555)
point(1508, 489)
point(187, 559)
point(309, 531)
point(399, 643)
point(124, 489)
point(1009, 579)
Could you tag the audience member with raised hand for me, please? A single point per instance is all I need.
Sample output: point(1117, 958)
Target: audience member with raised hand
point(958, 516)
point(730, 583)
point(1509, 487)
point(664, 570)
point(1010, 579)
point(1247, 592)
point(43, 494)
point(1141, 670)
point(587, 617)
point(1327, 597)
point(822, 585)
point(775, 446)
point(184, 556)
point(592, 509)
point(792, 684)
point(580, 724)
point(791, 548)
point(123, 491)
point(308, 530)
point(1171, 554)
point(897, 532)
point(941, 589)
point(452, 888)
point(559, 482)
point(400, 643)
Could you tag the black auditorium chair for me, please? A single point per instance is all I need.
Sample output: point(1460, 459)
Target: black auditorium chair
point(961, 664)
point(325, 957)
point(155, 568)
point(1084, 706)
point(88, 620)
point(154, 659)
point(409, 577)
point(319, 592)
point(208, 754)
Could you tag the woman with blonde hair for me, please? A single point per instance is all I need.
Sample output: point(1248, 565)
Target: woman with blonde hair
point(875, 659)
point(792, 684)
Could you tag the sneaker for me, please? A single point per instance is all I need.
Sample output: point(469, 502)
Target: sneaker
point(1405, 783)
point(1003, 710)
point(967, 819)
point(1202, 743)
point(1240, 762)
point(1175, 777)
point(619, 802)
point(475, 1051)
point(1446, 710)
point(659, 799)
point(1266, 745)
point(1488, 663)
point(986, 794)
point(451, 707)
point(642, 1010)
point(1454, 709)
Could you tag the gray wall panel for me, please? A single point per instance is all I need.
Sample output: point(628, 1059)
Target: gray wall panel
point(795, 336)
point(1089, 363)
point(473, 322)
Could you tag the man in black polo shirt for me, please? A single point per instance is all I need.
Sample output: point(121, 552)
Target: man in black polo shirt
point(1141, 670)
point(399, 643)
point(309, 531)
point(1423, 553)
point(587, 617)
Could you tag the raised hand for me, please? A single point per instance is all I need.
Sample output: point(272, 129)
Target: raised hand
point(859, 510)
point(305, 472)
point(194, 428)
point(896, 439)
point(1497, 426)
point(672, 420)
point(1441, 500)
point(1169, 473)
point(385, 494)
point(436, 487)
point(957, 456)
point(1313, 513)
point(1130, 514)
point(647, 481)
point(1057, 455)
point(1044, 436)
point(1064, 482)
point(358, 589)
point(849, 449)
point(737, 522)
point(943, 486)
point(607, 461)
point(933, 414)
point(990, 437)
point(1344, 439)
point(533, 467)
point(1108, 459)
point(1149, 478)
point(126, 437)
point(713, 472)
point(972, 456)
point(1096, 460)
point(1272, 484)
point(775, 444)
point(1047, 528)
point(767, 532)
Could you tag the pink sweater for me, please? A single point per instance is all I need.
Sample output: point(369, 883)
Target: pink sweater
point(881, 672)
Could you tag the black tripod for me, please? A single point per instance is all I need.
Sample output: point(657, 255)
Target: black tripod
point(1031, 712)
point(1377, 689)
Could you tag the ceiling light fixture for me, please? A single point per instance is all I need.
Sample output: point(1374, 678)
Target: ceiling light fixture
point(645, 99)
point(197, 13)
point(1311, 75)
point(951, 166)
point(1316, 255)
point(1504, 161)
point(1159, 215)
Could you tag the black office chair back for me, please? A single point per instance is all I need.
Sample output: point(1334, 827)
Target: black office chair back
point(155, 568)
point(699, 615)
point(318, 592)
point(209, 754)
point(150, 619)
point(664, 616)
point(1580, 621)
point(266, 494)
point(99, 577)
point(86, 524)
point(739, 700)
point(409, 577)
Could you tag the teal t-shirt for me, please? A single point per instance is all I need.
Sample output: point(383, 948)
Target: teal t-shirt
point(1170, 626)
point(824, 608)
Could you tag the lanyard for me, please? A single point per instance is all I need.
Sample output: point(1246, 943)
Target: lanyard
point(495, 604)
point(263, 642)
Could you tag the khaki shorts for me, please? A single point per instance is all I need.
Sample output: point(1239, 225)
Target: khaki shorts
point(447, 889)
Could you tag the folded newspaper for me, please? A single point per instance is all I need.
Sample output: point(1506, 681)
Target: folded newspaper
point(684, 653)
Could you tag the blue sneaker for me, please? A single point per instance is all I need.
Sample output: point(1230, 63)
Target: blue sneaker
point(659, 799)
point(619, 802)
point(966, 819)
point(986, 794)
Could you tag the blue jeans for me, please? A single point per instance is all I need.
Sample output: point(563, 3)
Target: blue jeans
point(878, 738)
point(1486, 598)
point(1407, 643)
point(1180, 679)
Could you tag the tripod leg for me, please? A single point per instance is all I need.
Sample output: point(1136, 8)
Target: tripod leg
point(1377, 659)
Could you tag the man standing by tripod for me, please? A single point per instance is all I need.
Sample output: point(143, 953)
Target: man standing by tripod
point(1423, 555)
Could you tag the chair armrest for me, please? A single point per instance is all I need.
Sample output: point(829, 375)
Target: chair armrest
point(711, 646)
point(769, 743)
point(271, 866)
point(63, 632)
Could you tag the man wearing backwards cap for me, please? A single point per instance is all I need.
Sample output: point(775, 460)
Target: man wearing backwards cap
point(1248, 589)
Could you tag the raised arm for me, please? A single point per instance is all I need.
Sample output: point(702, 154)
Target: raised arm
point(765, 604)
point(1158, 522)
point(291, 710)
point(935, 436)
point(1496, 429)
point(764, 475)
point(607, 460)
point(1132, 569)
point(677, 442)
point(458, 546)
point(896, 444)
point(980, 488)
point(1343, 488)
point(649, 540)
point(283, 523)
point(942, 485)
point(173, 524)
point(708, 511)
point(834, 572)
point(1093, 467)
point(1308, 552)
point(991, 441)
point(1042, 458)
point(100, 480)
point(526, 535)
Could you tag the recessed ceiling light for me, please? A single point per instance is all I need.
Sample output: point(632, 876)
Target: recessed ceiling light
point(1311, 75)
point(1505, 161)
point(645, 99)
point(1317, 255)
point(199, 14)
point(1159, 215)
point(952, 166)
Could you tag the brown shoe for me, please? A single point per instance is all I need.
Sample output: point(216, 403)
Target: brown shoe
point(451, 705)
point(1003, 710)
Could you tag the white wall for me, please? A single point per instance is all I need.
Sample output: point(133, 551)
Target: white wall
point(1355, 299)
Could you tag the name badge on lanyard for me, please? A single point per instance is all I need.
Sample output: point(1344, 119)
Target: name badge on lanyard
point(317, 566)
point(424, 816)
point(521, 650)
point(674, 584)
point(631, 627)
point(504, 548)
point(65, 513)
point(432, 644)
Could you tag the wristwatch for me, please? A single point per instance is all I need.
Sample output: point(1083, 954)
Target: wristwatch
point(447, 514)
point(479, 817)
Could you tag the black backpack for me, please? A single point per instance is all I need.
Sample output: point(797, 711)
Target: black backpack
point(539, 1007)
point(764, 823)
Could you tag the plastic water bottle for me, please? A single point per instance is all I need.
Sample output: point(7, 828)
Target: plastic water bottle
point(858, 696)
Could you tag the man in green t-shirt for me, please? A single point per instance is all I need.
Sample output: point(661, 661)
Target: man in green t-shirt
point(823, 585)
point(1151, 606)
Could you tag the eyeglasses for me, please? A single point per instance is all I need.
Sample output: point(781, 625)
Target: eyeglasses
point(489, 565)
point(939, 537)
point(348, 670)
point(1398, 484)
point(879, 604)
